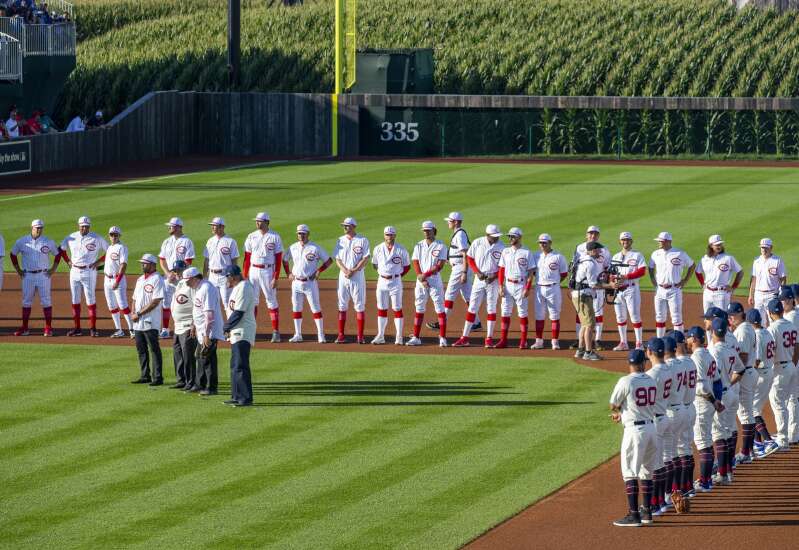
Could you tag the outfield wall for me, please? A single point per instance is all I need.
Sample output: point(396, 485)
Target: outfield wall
point(164, 125)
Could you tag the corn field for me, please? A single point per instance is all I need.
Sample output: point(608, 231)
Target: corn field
point(541, 47)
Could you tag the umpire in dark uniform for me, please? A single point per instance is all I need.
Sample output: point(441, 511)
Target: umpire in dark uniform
point(241, 328)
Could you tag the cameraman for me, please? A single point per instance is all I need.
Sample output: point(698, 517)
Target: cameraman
point(589, 269)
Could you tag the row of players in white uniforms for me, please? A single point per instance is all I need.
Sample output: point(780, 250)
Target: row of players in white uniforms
point(697, 394)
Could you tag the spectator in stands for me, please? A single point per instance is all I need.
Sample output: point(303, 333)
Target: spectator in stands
point(11, 124)
point(96, 121)
point(3, 132)
point(77, 124)
point(31, 126)
point(46, 123)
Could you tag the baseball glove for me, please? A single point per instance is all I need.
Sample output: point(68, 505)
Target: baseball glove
point(681, 504)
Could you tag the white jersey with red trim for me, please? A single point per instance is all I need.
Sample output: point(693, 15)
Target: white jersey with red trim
point(636, 395)
point(428, 255)
point(486, 256)
point(84, 250)
point(630, 260)
point(351, 250)
point(669, 265)
point(263, 247)
point(718, 270)
point(35, 252)
point(768, 272)
point(306, 258)
point(176, 248)
point(220, 251)
point(517, 262)
point(115, 256)
point(390, 261)
point(549, 266)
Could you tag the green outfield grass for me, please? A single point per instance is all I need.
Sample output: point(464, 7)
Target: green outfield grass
point(742, 203)
point(340, 451)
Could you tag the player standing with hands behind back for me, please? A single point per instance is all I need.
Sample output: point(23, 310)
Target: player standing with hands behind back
point(351, 253)
point(768, 273)
point(665, 271)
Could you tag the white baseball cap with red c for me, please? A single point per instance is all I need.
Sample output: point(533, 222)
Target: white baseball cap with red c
point(454, 217)
point(663, 236)
point(174, 221)
point(493, 230)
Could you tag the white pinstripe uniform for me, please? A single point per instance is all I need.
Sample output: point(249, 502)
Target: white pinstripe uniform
point(428, 255)
point(548, 297)
point(719, 272)
point(764, 365)
point(305, 260)
point(518, 265)
point(486, 257)
point(174, 249)
point(458, 243)
point(685, 420)
point(390, 263)
point(220, 252)
point(350, 251)
point(768, 273)
point(115, 256)
point(785, 334)
point(83, 251)
point(263, 249)
point(668, 266)
point(35, 263)
point(747, 343)
point(628, 298)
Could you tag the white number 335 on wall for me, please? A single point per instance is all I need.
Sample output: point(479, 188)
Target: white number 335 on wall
point(399, 131)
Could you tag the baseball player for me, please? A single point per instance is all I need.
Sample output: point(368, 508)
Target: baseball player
point(706, 402)
point(220, 251)
point(603, 258)
point(184, 342)
point(115, 285)
point(661, 373)
point(724, 429)
point(674, 406)
point(718, 273)
point(632, 267)
point(516, 272)
point(305, 262)
point(35, 273)
point(2, 255)
point(483, 258)
point(744, 333)
point(241, 326)
point(550, 270)
point(263, 256)
point(633, 405)
point(768, 273)
point(460, 276)
point(175, 247)
point(685, 371)
point(351, 253)
point(791, 314)
point(785, 357)
point(86, 250)
point(764, 365)
point(392, 262)
point(148, 297)
point(208, 323)
point(666, 267)
point(428, 259)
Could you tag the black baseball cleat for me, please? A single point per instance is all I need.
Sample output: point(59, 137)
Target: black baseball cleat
point(191, 389)
point(477, 326)
point(141, 381)
point(157, 383)
point(178, 386)
point(433, 325)
point(245, 404)
point(75, 332)
point(633, 519)
point(94, 333)
point(231, 402)
point(646, 514)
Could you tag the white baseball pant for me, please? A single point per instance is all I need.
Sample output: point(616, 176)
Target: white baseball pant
point(455, 286)
point(116, 299)
point(434, 290)
point(717, 298)
point(1, 275)
point(639, 451)
point(793, 408)
point(765, 377)
point(746, 396)
point(261, 279)
point(548, 300)
point(663, 427)
point(389, 291)
point(668, 301)
point(778, 397)
point(513, 296)
point(671, 437)
point(703, 423)
point(686, 436)
point(761, 304)
point(308, 290)
point(220, 282)
point(628, 301)
point(353, 289)
point(599, 303)
point(724, 424)
point(33, 282)
point(169, 291)
point(482, 290)
point(83, 281)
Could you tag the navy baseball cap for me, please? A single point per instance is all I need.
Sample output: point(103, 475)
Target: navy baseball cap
point(719, 327)
point(670, 343)
point(656, 345)
point(715, 313)
point(753, 316)
point(593, 245)
point(795, 290)
point(678, 336)
point(735, 308)
point(179, 265)
point(636, 357)
point(232, 270)
point(696, 332)
point(786, 293)
point(775, 306)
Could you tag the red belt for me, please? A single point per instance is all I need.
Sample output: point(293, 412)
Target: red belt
point(263, 266)
point(717, 289)
point(389, 277)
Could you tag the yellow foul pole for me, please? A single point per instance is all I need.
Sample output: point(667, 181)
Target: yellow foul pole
point(339, 80)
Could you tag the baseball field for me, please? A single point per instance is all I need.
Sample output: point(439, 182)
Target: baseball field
point(360, 450)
